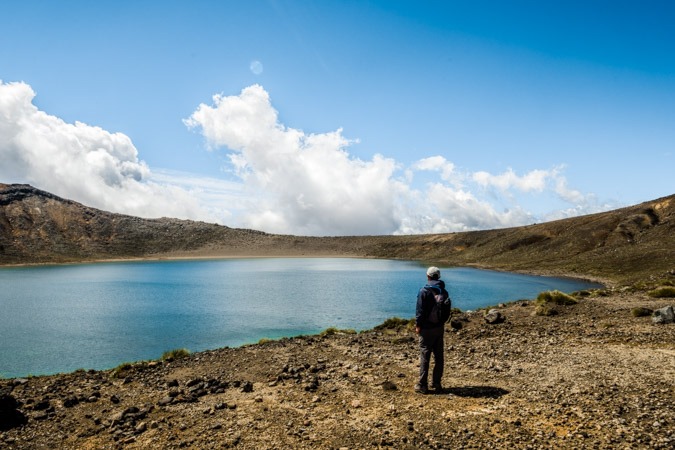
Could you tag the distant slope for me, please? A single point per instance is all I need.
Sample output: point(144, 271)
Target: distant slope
point(622, 245)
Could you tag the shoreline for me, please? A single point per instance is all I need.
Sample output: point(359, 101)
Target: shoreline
point(592, 376)
point(469, 307)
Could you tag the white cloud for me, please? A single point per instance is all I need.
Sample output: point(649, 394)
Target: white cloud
point(437, 164)
point(81, 162)
point(314, 184)
point(288, 181)
point(310, 184)
point(447, 209)
point(534, 180)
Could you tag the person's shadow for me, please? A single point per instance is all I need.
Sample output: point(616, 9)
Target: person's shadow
point(474, 391)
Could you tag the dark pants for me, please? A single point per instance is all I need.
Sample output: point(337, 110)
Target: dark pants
point(431, 341)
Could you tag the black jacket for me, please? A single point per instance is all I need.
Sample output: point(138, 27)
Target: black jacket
point(425, 303)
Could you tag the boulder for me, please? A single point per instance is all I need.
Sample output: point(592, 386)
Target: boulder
point(494, 317)
point(664, 315)
point(10, 416)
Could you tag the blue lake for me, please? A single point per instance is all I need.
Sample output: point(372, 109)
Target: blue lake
point(96, 316)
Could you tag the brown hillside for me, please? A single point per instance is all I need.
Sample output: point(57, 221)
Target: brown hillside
point(618, 246)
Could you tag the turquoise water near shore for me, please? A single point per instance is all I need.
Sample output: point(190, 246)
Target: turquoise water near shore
point(96, 316)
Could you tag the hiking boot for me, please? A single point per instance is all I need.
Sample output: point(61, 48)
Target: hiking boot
point(421, 389)
point(437, 387)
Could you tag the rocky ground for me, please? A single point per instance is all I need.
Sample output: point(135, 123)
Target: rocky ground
point(592, 376)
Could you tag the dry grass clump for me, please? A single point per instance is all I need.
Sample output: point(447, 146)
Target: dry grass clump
point(547, 300)
point(396, 323)
point(545, 310)
point(121, 370)
point(556, 298)
point(175, 354)
point(334, 330)
point(641, 312)
point(662, 292)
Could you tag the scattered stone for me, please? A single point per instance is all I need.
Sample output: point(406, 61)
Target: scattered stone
point(10, 416)
point(42, 405)
point(140, 428)
point(494, 317)
point(389, 386)
point(41, 415)
point(664, 315)
point(193, 382)
point(247, 386)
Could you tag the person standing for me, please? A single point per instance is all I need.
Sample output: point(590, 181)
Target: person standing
point(430, 331)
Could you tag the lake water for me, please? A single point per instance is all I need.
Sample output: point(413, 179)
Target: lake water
point(96, 316)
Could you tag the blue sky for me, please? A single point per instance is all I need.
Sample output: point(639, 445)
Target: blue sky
point(329, 118)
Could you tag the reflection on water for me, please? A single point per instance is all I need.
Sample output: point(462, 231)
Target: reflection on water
point(61, 318)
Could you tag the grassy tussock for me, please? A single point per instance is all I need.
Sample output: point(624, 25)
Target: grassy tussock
point(556, 298)
point(545, 310)
point(396, 323)
point(121, 370)
point(333, 330)
point(662, 292)
point(641, 312)
point(175, 354)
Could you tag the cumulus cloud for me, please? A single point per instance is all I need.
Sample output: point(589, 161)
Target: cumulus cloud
point(312, 185)
point(81, 162)
point(438, 164)
point(315, 186)
point(534, 180)
point(287, 181)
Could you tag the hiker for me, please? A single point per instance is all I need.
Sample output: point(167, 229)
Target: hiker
point(429, 326)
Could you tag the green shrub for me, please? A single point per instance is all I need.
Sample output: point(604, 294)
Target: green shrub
point(663, 291)
point(640, 286)
point(175, 354)
point(334, 330)
point(329, 331)
point(641, 312)
point(601, 293)
point(121, 370)
point(555, 297)
point(544, 310)
point(396, 323)
point(265, 340)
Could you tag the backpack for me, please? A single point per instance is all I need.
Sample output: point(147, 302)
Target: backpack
point(440, 313)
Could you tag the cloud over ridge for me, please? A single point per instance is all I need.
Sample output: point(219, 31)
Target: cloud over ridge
point(81, 162)
point(285, 180)
point(314, 186)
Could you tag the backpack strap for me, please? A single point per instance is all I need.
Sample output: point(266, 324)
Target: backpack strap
point(428, 286)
